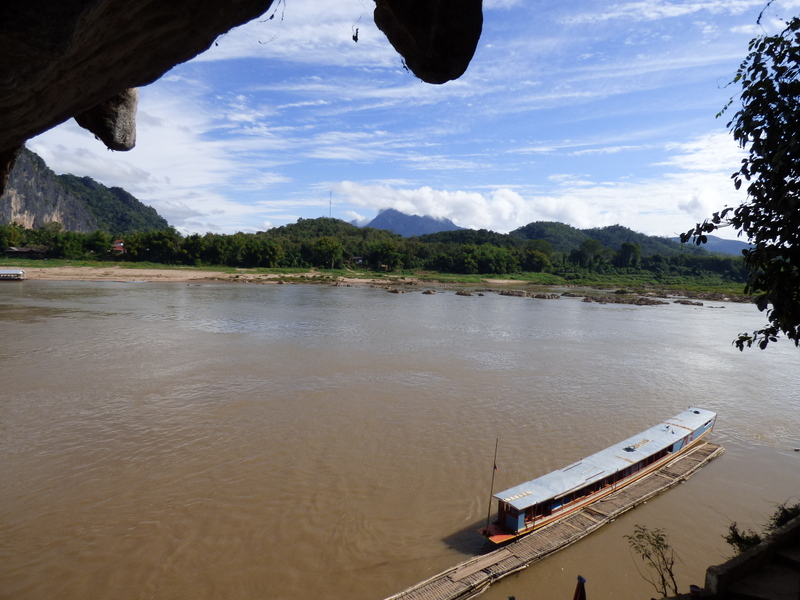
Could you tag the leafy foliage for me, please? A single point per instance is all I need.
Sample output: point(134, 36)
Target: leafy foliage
point(653, 548)
point(743, 540)
point(766, 126)
point(333, 244)
point(117, 212)
point(471, 236)
point(565, 238)
point(562, 238)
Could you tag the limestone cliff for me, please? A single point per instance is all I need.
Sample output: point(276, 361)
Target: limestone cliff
point(36, 196)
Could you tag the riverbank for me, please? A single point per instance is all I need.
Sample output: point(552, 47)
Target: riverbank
point(116, 273)
point(199, 275)
point(191, 275)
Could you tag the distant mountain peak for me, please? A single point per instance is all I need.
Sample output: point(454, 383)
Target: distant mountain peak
point(410, 225)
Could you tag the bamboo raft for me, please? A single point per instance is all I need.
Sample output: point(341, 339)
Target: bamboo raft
point(472, 577)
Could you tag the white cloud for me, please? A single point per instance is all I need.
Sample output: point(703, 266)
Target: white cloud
point(652, 10)
point(606, 150)
point(698, 185)
point(358, 218)
point(175, 167)
point(715, 152)
point(551, 121)
point(311, 32)
point(500, 4)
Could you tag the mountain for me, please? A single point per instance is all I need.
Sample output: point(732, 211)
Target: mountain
point(116, 210)
point(410, 225)
point(562, 238)
point(720, 245)
point(471, 236)
point(36, 196)
point(565, 238)
point(311, 229)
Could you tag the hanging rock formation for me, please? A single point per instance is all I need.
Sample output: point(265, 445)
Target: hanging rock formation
point(437, 38)
point(62, 58)
point(113, 121)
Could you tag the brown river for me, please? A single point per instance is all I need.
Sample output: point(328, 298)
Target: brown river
point(296, 442)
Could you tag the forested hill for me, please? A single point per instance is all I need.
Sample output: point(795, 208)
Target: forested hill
point(116, 210)
point(309, 229)
point(473, 236)
point(564, 238)
point(557, 237)
point(37, 196)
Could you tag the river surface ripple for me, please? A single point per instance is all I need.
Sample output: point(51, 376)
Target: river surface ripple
point(291, 442)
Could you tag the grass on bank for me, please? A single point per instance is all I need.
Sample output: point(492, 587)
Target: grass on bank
point(640, 282)
point(109, 264)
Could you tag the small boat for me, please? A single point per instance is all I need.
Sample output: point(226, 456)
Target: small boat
point(531, 505)
point(12, 274)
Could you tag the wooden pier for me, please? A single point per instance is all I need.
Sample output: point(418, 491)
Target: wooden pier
point(472, 577)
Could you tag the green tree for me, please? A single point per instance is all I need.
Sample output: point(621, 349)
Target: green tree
point(384, 254)
point(743, 540)
point(44, 235)
point(766, 127)
point(10, 235)
point(629, 255)
point(653, 548)
point(590, 253)
point(534, 261)
point(67, 244)
point(98, 243)
point(193, 249)
point(592, 250)
point(154, 246)
point(264, 252)
point(327, 252)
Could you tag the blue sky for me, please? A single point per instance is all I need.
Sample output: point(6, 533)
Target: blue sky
point(588, 112)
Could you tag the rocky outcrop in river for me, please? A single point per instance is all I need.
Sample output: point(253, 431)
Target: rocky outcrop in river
point(635, 300)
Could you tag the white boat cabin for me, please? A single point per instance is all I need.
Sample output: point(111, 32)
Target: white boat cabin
point(12, 274)
point(534, 503)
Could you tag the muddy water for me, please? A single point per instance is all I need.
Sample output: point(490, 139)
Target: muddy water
point(293, 442)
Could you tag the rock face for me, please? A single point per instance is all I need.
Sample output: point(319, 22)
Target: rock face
point(436, 37)
point(37, 196)
point(635, 300)
point(34, 198)
point(410, 225)
point(113, 121)
point(61, 58)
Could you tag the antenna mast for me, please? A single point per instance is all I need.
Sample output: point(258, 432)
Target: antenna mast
point(491, 492)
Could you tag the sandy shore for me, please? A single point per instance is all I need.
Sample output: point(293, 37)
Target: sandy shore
point(176, 275)
point(119, 274)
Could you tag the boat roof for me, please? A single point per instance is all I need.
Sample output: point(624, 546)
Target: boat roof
point(11, 271)
point(598, 466)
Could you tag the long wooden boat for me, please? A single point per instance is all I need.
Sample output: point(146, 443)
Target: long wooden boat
point(531, 505)
point(12, 274)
